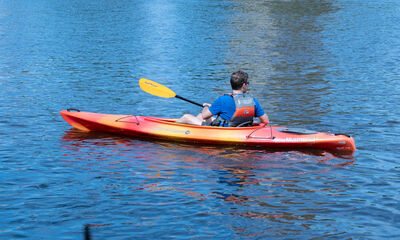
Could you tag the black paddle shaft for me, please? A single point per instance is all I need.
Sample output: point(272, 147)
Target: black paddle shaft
point(187, 100)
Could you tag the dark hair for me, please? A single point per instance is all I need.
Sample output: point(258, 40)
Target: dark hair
point(237, 79)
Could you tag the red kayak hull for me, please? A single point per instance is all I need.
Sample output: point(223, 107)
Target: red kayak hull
point(260, 135)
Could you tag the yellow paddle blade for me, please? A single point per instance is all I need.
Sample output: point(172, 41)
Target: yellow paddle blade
point(155, 88)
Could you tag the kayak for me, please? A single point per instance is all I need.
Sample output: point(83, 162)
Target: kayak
point(258, 135)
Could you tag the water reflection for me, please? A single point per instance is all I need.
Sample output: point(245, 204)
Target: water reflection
point(289, 188)
point(281, 44)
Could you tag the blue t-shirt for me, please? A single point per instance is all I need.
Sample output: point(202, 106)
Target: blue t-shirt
point(225, 107)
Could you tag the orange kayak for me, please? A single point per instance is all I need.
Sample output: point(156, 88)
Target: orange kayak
point(258, 135)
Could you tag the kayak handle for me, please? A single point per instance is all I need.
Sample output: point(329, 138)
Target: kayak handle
point(128, 121)
point(73, 109)
point(265, 126)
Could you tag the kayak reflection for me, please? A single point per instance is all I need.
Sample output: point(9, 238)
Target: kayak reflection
point(253, 183)
point(162, 160)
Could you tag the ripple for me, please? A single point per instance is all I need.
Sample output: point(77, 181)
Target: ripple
point(315, 65)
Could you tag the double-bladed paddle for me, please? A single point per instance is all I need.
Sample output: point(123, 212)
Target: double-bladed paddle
point(161, 90)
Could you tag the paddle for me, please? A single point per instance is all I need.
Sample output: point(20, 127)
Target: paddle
point(161, 90)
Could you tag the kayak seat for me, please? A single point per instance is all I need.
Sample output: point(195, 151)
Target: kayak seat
point(245, 124)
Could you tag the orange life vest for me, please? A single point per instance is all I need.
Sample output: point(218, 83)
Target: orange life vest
point(245, 111)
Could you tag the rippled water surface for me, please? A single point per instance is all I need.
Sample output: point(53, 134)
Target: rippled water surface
point(321, 65)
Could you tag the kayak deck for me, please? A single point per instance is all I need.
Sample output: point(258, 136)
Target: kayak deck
point(259, 135)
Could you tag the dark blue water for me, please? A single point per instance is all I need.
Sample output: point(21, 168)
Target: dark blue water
point(321, 65)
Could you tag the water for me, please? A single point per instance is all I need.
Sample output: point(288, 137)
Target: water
point(321, 65)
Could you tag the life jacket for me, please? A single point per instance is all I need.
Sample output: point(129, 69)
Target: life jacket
point(243, 115)
point(245, 111)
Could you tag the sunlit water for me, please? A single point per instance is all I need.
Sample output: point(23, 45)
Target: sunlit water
point(321, 65)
